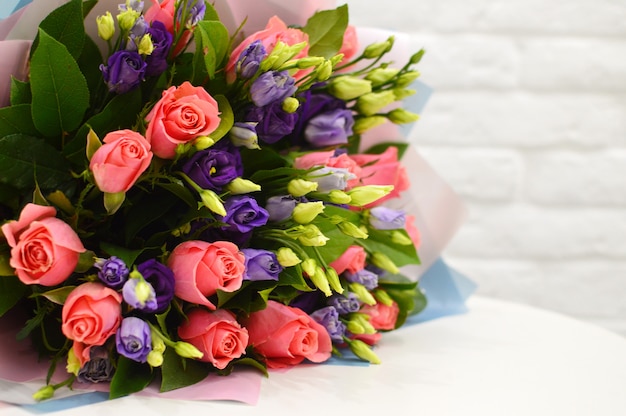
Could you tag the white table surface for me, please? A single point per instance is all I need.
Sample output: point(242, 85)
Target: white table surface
point(499, 359)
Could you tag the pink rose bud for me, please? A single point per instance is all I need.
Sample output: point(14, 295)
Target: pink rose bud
point(352, 260)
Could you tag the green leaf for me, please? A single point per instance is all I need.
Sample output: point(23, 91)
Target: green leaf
point(130, 377)
point(181, 192)
point(178, 372)
point(251, 362)
point(212, 43)
point(210, 13)
point(227, 118)
point(22, 158)
point(381, 147)
point(248, 298)
point(17, 119)
point(87, 6)
point(128, 256)
point(60, 92)
point(326, 29)
point(11, 291)
point(381, 241)
point(89, 63)
point(58, 295)
point(20, 92)
point(65, 24)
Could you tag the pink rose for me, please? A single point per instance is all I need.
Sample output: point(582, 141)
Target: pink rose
point(180, 116)
point(412, 230)
point(82, 352)
point(382, 316)
point(44, 249)
point(350, 44)
point(352, 260)
point(275, 31)
point(119, 162)
point(286, 336)
point(92, 313)
point(216, 334)
point(201, 269)
point(383, 169)
point(162, 12)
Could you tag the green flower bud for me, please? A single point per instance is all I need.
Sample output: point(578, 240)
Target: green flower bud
point(73, 363)
point(155, 358)
point(203, 142)
point(407, 79)
point(320, 281)
point(182, 230)
point(157, 342)
point(306, 212)
point(402, 93)
point(349, 87)
point(381, 260)
point(362, 293)
point(127, 18)
point(352, 230)
point(416, 57)
point(290, 105)
point(106, 26)
point(363, 351)
point(363, 320)
point(400, 238)
point(372, 103)
point(309, 61)
point(301, 187)
point(402, 116)
point(44, 393)
point(381, 76)
point(286, 257)
point(355, 327)
point(339, 197)
point(364, 195)
point(383, 297)
point(379, 48)
point(333, 280)
point(363, 124)
point(113, 202)
point(212, 201)
point(240, 186)
point(324, 71)
point(186, 350)
point(309, 266)
point(311, 236)
point(145, 47)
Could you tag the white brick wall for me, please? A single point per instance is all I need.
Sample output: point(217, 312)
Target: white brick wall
point(528, 124)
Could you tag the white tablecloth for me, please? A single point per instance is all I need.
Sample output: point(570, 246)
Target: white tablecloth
point(499, 359)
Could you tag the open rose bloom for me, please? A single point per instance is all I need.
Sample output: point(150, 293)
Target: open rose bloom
point(189, 185)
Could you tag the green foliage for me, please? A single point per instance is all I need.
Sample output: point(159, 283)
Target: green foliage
point(178, 372)
point(325, 30)
point(212, 43)
point(11, 291)
point(130, 377)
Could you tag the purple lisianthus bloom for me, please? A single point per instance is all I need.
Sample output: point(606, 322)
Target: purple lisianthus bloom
point(328, 317)
point(161, 278)
point(136, 5)
point(330, 178)
point(273, 123)
point(162, 40)
point(309, 301)
point(365, 277)
point(124, 71)
point(133, 339)
point(213, 169)
point(312, 105)
point(260, 265)
point(243, 214)
point(194, 12)
point(250, 60)
point(383, 218)
point(330, 128)
point(280, 207)
point(345, 303)
point(139, 294)
point(244, 134)
point(271, 87)
point(113, 272)
point(99, 367)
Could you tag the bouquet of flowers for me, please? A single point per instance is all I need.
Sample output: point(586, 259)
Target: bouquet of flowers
point(180, 200)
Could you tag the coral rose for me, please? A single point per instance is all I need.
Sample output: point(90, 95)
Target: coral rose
point(352, 260)
point(201, 269)
point(216, 334)
point(182, 114)
point(119, 162)
point(382, 316)
point(286, 336)
point(44, 249)
point(91, 314)
point(162, 12)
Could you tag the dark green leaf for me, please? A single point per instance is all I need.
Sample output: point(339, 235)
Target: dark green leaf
point(139, 217)
point(31, 324)
point(65, 24)
point(248, 298)
point(381, 241)
point(292, 276)
point(60, 92)
point(251, 362)
point(181, 192)
point(126, 255)
point(130, 377)
point(227, 118)
point(87, 6)
point(11, 291)
point(326, 29)
point(212, 43)
point(17, 119)
point(177, 372)
point(89, 62)
point(57, 295)
point(258, 159)
point(20, 92)
point(24, 157)
point(381, 147)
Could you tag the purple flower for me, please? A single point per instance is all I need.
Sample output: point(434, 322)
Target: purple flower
point(162, 41)
point(124, 71)
point(383, 218)
point(271, 87)
point(133, 340)
point(113, 272)
point(260, 265)
point(213, 169)
point(329, 178)
point(365, 277)
point(309, 301)
point(280, 207)
point(194, 12)
point(139, 294)
point(99, 367)
point(273, 123)
point(136, 5)
point(330, 128)
point(312, 105)
point(250, 59)
point(345, 303)
point(244, 214)
point(328, 317)
point(161, 278)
